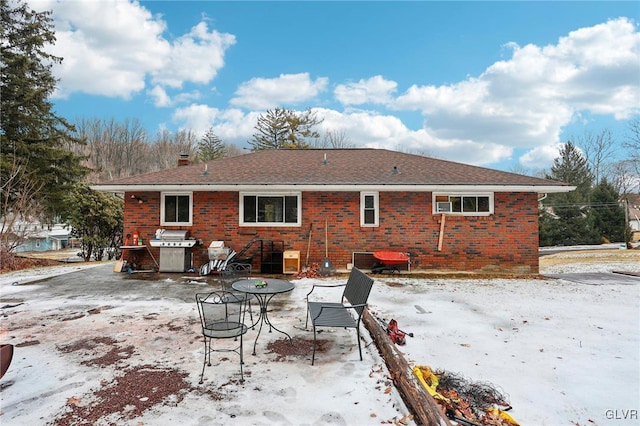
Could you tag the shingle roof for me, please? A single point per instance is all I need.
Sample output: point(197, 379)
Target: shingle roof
point(332, 167)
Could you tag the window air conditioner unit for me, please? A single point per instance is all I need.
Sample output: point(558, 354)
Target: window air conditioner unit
point(443, 207)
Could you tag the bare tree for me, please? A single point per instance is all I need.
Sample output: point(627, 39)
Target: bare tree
point(132, 141)
point(624, 177)
point(598, 149)
point(334, 139)
point(168, 147)
point(520, 169)
point(114, 149)
point(163, 151)
point(187, 143)
point(632, 144)
point(233, 150)
point(20, 206)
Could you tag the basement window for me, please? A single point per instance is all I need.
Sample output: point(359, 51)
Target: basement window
point(463, 204)
point(369, 209)
point(176, 208)
point(270, 209)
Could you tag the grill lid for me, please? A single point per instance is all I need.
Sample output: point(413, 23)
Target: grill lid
point(174, 235)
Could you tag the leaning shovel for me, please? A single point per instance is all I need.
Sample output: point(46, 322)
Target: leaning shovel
point(327, 267)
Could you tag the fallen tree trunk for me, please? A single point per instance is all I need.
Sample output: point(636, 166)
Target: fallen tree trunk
point(418, 400)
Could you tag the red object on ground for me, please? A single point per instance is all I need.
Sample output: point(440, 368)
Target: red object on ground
point(6, 354)
point(391, 257)
point(397, 336)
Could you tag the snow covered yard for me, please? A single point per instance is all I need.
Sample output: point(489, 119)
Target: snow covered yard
point(563, 352)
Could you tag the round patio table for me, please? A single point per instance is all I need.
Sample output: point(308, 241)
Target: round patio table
point(264, 289)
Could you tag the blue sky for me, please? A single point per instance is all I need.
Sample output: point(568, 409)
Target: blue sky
point(497, 84)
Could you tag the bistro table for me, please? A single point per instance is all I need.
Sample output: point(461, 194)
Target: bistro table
point(264, 289)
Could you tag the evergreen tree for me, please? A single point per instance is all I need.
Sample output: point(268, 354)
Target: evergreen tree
point(211, 147)
point(564, 218)
point(285, 129)
point(31, 134)
point(573, 168)
point(607, 214)
point(96, 218)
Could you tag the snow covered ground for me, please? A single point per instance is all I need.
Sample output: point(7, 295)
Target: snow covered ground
point(564, 353)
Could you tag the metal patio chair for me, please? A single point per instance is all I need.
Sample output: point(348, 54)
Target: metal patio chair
point(347, 312)
point(221, 317)
point(234, 272)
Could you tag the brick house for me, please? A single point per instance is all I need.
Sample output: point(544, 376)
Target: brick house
point(450, 216)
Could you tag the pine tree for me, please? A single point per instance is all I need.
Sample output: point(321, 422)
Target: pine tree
point(34, 141)
point(285, 129)
point(211, 147)
point(573, 168)
point(568, 224)
point(607, 214)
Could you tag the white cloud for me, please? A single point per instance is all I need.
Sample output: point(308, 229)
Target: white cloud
point(527, 100)
point(232, 126)
point(370, 129)
point(117, 48)
point(364, 128)
point(375, 90)
point(265, 93)
point(112, 47)
point(540, 155)
point(195, 57)
point(523, 102)
point(159, 96)
point(108, 46)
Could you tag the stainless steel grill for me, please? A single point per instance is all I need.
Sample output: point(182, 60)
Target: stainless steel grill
point(175, 250)
point(173, 238)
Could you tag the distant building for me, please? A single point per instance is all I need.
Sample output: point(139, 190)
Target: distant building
point(38, 237)
point(634, 215)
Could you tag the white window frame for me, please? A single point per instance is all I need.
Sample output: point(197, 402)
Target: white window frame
point(162, 208)
point(376, 209)
point(489, 195)
point(283, 224)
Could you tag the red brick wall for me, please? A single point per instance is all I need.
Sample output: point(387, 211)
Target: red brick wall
point(505, 242)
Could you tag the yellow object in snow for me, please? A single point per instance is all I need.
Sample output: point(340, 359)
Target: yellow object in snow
point(510, 420)
point(429, 381)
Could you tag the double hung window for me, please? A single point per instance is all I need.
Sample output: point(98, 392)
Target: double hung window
point(369, 209)
point(176, 209)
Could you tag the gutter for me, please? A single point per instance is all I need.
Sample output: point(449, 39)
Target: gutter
point(467, 189)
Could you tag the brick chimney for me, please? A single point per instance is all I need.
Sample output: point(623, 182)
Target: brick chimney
point(183, 160)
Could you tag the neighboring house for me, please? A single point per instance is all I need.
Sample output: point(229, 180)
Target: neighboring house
point(450, 216)
point(633, 204)
point(37, 237)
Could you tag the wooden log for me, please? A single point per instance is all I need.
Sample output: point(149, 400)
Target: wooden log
point(422, 405)
point(441, 236)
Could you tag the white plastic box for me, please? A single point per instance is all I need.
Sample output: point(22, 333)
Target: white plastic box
point(217, 251)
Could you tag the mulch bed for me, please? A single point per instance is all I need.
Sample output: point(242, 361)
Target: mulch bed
point(297, 348)
point(10, 262)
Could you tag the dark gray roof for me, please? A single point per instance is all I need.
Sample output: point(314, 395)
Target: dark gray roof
point(331, 167)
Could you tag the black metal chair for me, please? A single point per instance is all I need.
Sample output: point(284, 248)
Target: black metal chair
point(221, 317)
point(347, 313)
point(234, 272)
